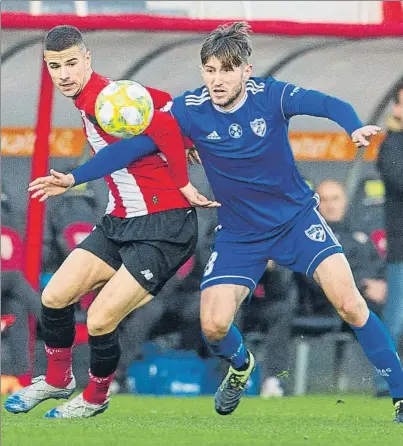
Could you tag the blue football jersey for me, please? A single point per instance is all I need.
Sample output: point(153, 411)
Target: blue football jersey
point(247, 155)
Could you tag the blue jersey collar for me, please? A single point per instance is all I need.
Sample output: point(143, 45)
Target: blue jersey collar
point(235, 107)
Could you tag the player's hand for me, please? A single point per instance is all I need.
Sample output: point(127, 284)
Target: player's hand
point(196, 199)
point(193, 156)
point(56, 183)
point(360, 135)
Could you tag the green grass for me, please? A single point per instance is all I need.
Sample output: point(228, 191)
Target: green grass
point(142, 421)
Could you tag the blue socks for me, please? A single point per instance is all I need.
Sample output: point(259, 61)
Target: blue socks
point(230, 347)
point(380, 350)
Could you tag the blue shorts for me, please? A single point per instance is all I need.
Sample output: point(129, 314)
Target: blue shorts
point(300, 248)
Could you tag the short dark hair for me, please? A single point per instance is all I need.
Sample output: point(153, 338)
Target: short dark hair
point(230, 44)
point(396, 94)
point(63, 37)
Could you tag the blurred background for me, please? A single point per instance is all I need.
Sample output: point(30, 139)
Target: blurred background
point(351, 50)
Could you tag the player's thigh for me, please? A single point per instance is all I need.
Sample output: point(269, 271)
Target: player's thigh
point(334, 276)
point(79, 274)
point(88, 267)
point(120, 296)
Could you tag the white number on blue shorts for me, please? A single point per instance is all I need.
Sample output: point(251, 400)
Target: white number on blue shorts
point(210, 264)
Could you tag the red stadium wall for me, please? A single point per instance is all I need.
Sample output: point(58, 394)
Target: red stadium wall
point(392, 26)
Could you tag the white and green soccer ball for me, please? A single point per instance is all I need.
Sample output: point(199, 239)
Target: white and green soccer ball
point(124, 109)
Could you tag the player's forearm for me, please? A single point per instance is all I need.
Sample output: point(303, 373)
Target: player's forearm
point(114, 157)
point(165, 132)
point(318, 104)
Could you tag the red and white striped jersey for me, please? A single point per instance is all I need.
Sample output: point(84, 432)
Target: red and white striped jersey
point(143, 187)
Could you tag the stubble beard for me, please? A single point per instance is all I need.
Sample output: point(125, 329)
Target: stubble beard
point(233, 98)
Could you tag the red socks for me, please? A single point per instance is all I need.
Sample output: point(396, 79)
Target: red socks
point(59, 372)
point(97, 389)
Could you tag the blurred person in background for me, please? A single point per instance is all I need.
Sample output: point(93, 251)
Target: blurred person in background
point(18, 301)
point(390, 165)
point(270, 313)
point(367, 266)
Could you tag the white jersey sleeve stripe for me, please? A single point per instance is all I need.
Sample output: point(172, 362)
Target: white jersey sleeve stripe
point(281, 100)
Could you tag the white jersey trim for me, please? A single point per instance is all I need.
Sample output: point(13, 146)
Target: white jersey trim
point(227, 277)
point(127, 187)
point(281, 101)
point(130, 193)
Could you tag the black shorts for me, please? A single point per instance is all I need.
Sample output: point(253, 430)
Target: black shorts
point(151, 247)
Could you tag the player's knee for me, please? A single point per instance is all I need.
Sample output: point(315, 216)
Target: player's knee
point(51, 299)
point(99, 323)
point(353, 310)
point(214, 328)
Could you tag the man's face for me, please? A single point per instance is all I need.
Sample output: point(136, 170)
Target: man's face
point(226, 86)
point(397, 109)
point(69, 69)
point(333, 201)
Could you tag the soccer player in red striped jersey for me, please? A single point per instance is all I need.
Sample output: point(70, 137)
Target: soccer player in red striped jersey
point(148, 232)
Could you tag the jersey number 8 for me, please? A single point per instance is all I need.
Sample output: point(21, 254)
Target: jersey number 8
point(210, 264)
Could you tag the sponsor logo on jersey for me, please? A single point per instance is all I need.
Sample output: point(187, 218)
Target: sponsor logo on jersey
point(316, 233)
point(235, 131)
point(213, 136)
point(258, 127)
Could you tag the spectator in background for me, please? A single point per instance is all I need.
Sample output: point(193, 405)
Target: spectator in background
point(390, 165)
point(367, 267)
point(18, 300)
point(271, 312)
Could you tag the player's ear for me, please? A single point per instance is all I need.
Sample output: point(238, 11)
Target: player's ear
point(88, 57)
point(247, 72)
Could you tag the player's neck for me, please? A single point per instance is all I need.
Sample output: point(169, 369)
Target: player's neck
point(235, 105)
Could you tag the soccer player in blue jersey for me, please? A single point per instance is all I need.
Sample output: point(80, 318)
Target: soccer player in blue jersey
point(240, 124)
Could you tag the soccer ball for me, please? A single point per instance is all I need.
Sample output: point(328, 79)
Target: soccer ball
point(124, 109)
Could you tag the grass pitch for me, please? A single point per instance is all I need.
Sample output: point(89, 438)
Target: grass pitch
point(145, 421)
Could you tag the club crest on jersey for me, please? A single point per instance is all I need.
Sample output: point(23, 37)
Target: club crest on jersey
point(316, 233)
point(258, 126)
point(235, 131)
